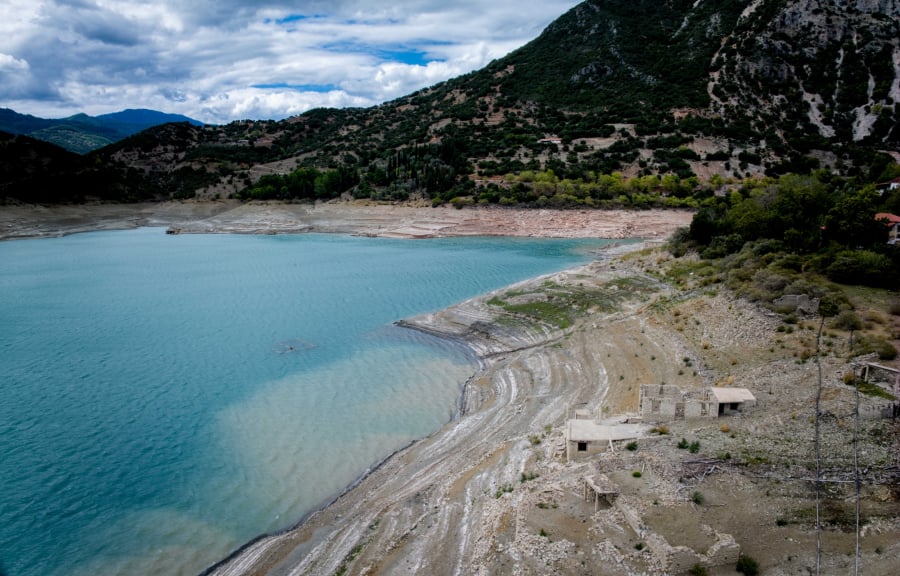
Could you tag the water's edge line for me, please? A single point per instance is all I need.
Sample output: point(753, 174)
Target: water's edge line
point(614, 248)
point(457, 414)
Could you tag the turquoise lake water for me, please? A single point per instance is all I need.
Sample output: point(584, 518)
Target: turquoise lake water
point(167, 398)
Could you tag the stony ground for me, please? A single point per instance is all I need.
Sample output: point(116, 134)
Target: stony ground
point(492, 493)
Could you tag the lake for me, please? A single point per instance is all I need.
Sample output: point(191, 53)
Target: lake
point(167, 398)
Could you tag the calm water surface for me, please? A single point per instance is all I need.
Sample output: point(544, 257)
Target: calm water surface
point(167, 398)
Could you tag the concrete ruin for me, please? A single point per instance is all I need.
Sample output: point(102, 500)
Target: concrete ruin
point(587, 436)
point(798, 303)
point(888, 379)
point(599, 489)
point(668, 402)
point(724, 550)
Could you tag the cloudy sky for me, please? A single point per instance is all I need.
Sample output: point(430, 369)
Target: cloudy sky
point(223, 60)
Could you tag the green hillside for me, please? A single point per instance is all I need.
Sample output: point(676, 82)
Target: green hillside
point(638, 103)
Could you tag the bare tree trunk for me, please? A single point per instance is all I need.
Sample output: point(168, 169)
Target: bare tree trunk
point(856, 467)
point(818, 455)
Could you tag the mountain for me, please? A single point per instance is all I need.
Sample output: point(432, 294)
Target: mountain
point(39, 172)
point(678, 95)
point(82, 133)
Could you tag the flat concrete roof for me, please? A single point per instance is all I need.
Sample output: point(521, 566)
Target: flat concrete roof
point(591, 431)
point(732, 395)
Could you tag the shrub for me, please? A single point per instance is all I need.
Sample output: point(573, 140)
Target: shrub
point(894, 308)
point(504, 489)
point(529, 476)
point(886, 350)
point(724, 245)
point(697, 498)
point(879, 345)
point(698, 570)
point(636, 474)
point(860, 267)
point(680, 242)
point(747, 566)
point(631, 446)
point(847, 320)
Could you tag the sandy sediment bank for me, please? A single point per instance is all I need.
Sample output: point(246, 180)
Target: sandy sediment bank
point(394, 221)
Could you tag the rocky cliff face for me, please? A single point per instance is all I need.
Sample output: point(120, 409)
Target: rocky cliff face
point(805, 72)
point(813, 69)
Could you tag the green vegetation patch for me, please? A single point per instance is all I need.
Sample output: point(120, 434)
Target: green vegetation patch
point(552, 313)
point(559, 305)
point(871, 389)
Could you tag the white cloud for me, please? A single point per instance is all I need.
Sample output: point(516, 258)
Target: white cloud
point(228, 59)
point(12, 64)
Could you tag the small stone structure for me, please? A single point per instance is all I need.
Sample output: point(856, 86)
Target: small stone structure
point(679, 559)
point(798, 303)
point(599, 488)
point(886, 378)
point(585, 437)
point(726, 401)
point(882, 373)
point(668, 402)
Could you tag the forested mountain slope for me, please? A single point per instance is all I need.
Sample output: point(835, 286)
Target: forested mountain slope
point(689, 90)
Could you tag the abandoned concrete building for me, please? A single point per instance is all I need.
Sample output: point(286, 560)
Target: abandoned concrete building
point(586, 436)
point(668, 402)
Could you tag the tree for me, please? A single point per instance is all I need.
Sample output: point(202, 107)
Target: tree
point(707, 223)
point(849, 321)
point(851, 221)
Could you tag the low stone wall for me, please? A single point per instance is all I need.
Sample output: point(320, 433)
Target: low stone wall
point(879, 411)
point(669, 402)
point(679, 559)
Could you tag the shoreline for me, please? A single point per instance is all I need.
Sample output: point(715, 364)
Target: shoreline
point(485, 354)
point(390, 221)
point(356, 218)
point(491, 492)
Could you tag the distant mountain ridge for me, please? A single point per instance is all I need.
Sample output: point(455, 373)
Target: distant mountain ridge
point(81, 133)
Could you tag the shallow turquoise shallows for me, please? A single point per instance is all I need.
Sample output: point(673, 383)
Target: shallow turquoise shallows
point(164, 399)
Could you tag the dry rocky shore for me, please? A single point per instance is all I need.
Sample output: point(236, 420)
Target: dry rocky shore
point(493, 493)
point(358, 217)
